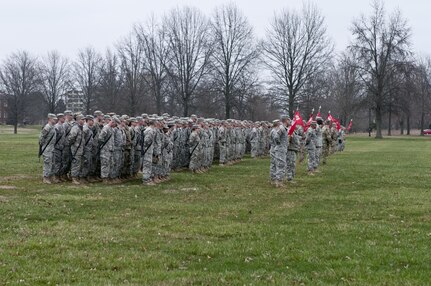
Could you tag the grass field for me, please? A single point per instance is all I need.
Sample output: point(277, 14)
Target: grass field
point(364, 220)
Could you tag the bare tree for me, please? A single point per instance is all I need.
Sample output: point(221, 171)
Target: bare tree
point(19, 79)
point(424, 88)
point(55, 79)
point(110, 82)
point(189, 51)
point(234, 51)
point(152, 38)
point(131, 54)
point(379, 40)
point(296, 47)
point(347, 87)
point(87, 76)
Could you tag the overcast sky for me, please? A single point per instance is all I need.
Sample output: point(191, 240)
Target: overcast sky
point(69, 25)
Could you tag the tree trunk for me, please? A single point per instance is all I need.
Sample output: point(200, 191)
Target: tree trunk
point(422, 123)
point(390, 121)
point(291, 103)
point(378, 123)
point(402, 126)
point(408, 124)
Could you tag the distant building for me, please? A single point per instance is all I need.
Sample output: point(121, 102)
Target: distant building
point(3, 108)
point(73, 100)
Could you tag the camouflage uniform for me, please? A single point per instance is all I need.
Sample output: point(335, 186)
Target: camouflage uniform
point(106, 143)
point(147, 158)
point(310, 140)
point(76, 142)
point(47, 142)
point(194, 145)
point(88, 151)
point(58, 149)
point(292, 151)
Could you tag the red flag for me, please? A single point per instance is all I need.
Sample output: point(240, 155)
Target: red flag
point(330, 118)
point(350, 125)
point(318, 112)
point(297, 119)
point(309, 121)
point(333, 120)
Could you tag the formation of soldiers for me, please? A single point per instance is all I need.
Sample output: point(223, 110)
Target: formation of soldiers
point(113, 148)
point(317, 143)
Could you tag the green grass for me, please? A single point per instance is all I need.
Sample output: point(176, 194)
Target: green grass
point(364, 220)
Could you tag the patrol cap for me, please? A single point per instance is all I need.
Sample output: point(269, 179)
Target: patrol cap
point(194, 126)
point(144, 115)
point(98, 113)
point(52, 116)
point(276, 121)
point(116, 119)
point(193, 116)
point(89, 117)
point(79, 116)
point(68, 112)
point(106, 116)
point(60, 115)
point(133, 119)
point(139, 118)
point(313, 122)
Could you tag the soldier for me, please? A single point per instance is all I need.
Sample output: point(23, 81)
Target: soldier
point(96, 129)
point(67, 155)
point(278, 155)
point(194, 142)
point(147, 153)
point(119, 140)
point(168, 147)
point(334, 137)
point(254, 142)
point(58, 148)
point(326, 140)
point(292, 151)
point(46, 148)
point(222, 143)
point(106, 149)
point(127, 135)
point(310, 139)
point(76, 141)
point(341, 139)
point(319, 139)
point(88, 148)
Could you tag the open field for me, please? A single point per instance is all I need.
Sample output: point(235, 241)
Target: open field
point(364, 220)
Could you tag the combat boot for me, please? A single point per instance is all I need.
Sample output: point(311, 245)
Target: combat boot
point(310, 173)
point(47, 180)
point(56, 179)
point(148, 183)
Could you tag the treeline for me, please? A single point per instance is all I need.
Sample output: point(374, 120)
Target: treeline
point(214, 65)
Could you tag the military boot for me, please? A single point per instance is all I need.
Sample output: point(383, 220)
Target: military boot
point(47, 180)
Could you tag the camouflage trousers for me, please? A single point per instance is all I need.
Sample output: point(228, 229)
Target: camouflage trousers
point(48, 164)
point(194, 160)
point(311, 152)
point(125, 168)
point(67, 160)
point(147, 164)
point(254, 149)
point(277, 165)
point(223, 150)
point(325, 153)
point(58, 162)
point(106, 163)
point(290, 165)
point(76, 167)
point(86, 164)
point(318, 155)
point(117, 164)
point(136, 161)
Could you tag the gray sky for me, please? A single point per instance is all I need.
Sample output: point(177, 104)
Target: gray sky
point(39, 26)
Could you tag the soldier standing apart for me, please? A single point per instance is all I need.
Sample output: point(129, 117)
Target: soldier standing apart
point(310, 139)
point(46, 148)
point(221, 134)
point(76, 142)
point(319, 140)
point(277, 153)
